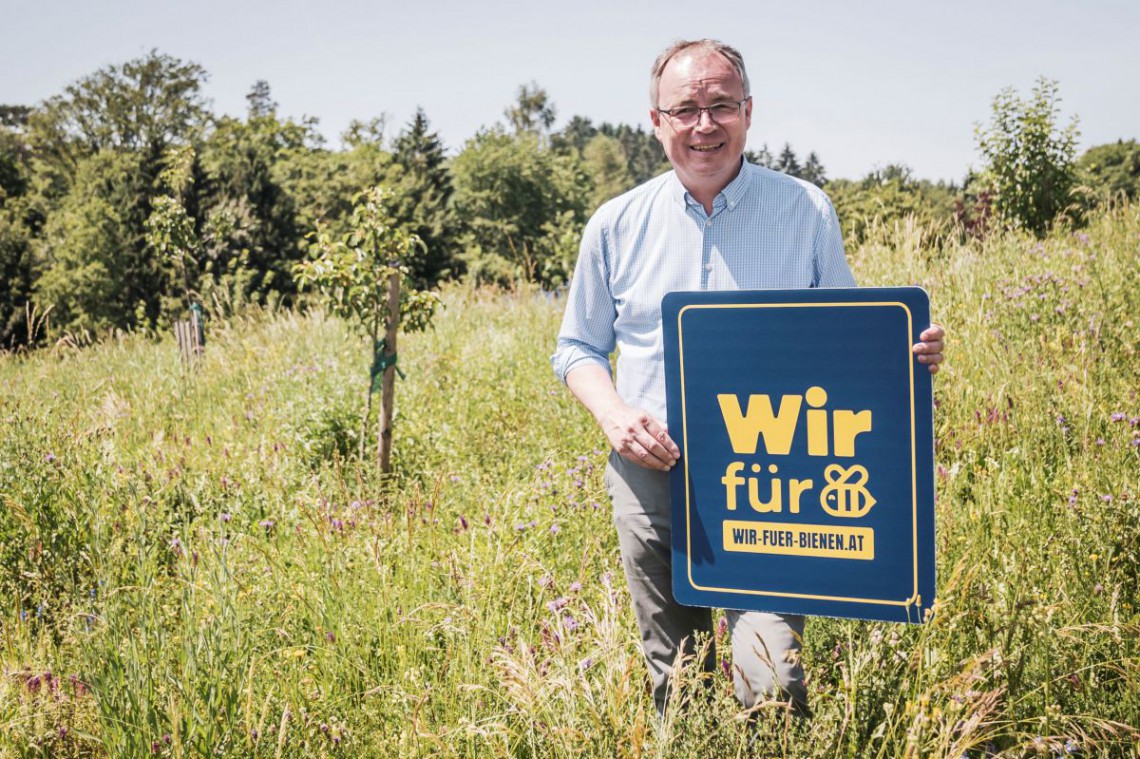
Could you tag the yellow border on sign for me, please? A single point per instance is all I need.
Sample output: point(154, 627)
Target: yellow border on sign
point(915, 597)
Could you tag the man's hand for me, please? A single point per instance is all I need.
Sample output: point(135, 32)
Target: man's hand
point(633, 433)
point(929, 351)
point(639, 438)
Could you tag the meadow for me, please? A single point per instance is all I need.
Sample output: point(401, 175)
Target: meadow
point(195, 563)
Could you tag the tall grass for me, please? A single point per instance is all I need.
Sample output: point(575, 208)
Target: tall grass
point(194, 563)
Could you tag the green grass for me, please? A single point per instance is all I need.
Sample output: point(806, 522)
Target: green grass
point(204, 568)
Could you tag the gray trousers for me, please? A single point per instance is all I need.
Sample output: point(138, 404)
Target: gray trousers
point(765, 647)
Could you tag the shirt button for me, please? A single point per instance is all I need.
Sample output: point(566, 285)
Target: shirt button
point(708, 267)
point(708, 223)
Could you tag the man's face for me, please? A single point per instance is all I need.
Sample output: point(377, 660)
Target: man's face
point(705, 155)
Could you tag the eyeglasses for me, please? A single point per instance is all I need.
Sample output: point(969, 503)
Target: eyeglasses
point(690, 115)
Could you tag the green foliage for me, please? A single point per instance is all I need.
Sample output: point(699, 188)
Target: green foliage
point(1111, 170)
point(533, 110)
point(1029, 158)
point(97, 272)
point(352, 272)
point(211, 567)
point(422, 201)
point(141, 106)
point(889, 196)
point(605, 162)
point(510, 191)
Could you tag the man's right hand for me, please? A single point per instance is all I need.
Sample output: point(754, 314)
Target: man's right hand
point(638, 437)
point(635, 434)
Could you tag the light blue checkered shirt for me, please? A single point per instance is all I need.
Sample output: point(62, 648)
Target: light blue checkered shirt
point(767, 230)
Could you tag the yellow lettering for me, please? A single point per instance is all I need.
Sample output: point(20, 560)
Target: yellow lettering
point(744, 430)
point(848, 426)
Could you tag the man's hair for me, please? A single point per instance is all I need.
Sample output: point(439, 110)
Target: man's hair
point(730, 54)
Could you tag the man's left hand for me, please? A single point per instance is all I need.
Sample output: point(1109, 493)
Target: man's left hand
point(929, 351)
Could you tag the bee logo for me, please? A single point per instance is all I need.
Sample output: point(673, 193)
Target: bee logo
point(846, 494)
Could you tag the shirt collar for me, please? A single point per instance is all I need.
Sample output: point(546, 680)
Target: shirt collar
point(732, 193)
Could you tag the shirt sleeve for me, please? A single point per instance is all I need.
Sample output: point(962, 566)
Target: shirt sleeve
point(587, 333)
point(831, 269)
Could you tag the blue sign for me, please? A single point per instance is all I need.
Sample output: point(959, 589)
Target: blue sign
point(805, 424)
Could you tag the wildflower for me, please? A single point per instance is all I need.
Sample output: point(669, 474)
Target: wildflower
point(266, 524)
point(50, 457)
point(1100, 441)
point(555, 529)
point(62, 732)
point(155, 747)
point(585, 664)
point(330, 636)
point(463, 521)
point(575, 587)
point(1106, 498)
point(546, 581)
point(571, 623)
point(456, 478)
point(726, 668)
point(176, 545)
point(1119, 416)
point(557, 603)
point(225, 516)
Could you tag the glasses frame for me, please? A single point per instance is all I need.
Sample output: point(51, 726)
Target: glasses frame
point(702, 109)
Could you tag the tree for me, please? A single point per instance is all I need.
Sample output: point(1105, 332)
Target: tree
point(360, 276)
point(98, 272)
point(787, 162)
point(422, 202)
point(813, 171)
point(261, 103)
point(606, 164)
point(517, 200)
point(533, 110)
point(762, 157)
point(1029, 158)
point(1112, 170)
point(143, 106)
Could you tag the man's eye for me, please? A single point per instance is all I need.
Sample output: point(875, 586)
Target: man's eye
point(684, 113)
point(724, 109)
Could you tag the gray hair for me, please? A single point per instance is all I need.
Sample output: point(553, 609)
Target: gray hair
point(730, 54)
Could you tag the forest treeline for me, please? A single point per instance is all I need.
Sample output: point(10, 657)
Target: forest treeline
point(124, 197)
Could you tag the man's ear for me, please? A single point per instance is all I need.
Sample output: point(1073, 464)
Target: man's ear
point(655, 117)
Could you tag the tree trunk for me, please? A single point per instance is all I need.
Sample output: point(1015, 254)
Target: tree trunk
point(387, 395)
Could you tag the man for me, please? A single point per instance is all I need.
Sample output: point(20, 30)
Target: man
point(714, 223)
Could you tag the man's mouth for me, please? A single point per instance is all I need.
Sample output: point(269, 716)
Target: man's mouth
point(706, 148)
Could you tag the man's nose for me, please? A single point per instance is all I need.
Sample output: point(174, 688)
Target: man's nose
point(705, 120)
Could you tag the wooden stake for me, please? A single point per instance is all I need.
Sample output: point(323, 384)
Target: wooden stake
point(387, 396)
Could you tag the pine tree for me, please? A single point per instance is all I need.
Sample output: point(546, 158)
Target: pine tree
point(423, 200)
point(813, 171)
point(788, 163)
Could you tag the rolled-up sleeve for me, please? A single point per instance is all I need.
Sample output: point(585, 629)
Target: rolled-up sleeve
point(831, 269)
point(587, 333)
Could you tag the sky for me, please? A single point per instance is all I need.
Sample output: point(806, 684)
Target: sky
point(862, 84)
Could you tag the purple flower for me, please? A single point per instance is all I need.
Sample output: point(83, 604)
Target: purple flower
point(50, 457)
point(1100, 441)
point(585, 664)
point(575, 587)
point(330, 636)
point(1106, 498)
point(463, 521)
point(546, 581)
point(557, 603)
point(555, 529)
point(571, 623)
point(225, 516)
point(267, 524)
point(1119, 416)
